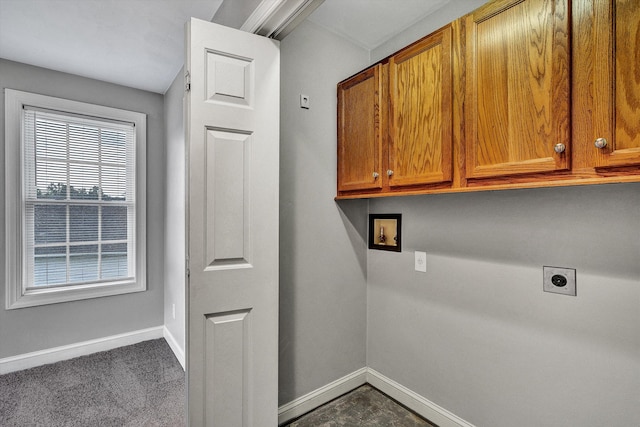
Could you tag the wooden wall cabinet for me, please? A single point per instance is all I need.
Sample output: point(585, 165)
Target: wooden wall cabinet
point(395, 121)
point(607, 90)
point(420, 136)
point(538, 93)
point(359, 132)
point(517, 103)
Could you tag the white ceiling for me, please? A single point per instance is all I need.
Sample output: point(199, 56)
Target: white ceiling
point(136, 43)
point(139, 43)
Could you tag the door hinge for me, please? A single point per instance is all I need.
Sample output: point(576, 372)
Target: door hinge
point(187, 267)
point(187, 82)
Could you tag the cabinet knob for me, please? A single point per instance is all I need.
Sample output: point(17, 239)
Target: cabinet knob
point(600, 142)
point(559, 148)
point(389, 172)
point(376, 175)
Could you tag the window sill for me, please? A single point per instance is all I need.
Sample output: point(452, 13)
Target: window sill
point(38, 297)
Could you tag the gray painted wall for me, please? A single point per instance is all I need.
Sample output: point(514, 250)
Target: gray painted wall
point(36, 328)
point(450, 12)
point(174, 209)
point(322, 249)
point(234, 13)
point(477, 335)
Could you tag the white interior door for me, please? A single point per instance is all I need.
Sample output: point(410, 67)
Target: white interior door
point(232, 133)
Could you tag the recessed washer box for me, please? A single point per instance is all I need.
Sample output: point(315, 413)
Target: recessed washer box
point(559, 280)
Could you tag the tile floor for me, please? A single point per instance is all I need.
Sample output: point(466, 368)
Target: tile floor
point(364, 406)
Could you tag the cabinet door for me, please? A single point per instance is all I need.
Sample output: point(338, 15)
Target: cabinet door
point(359, 136)
point(517, 104)
point(421, 124)
point(616, 106)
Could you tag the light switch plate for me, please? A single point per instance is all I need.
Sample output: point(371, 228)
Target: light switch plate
point(421, 261)
point(305, 101)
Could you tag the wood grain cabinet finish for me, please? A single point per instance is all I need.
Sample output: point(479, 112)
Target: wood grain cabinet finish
point(607, 90)
point(539, 93)
point(420, 99)
point(359, 133)
point(395, 121)
point(517, 89)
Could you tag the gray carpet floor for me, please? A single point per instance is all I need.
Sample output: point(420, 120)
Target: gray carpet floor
point(144, 385)
point(138, 385)
point(362, 407)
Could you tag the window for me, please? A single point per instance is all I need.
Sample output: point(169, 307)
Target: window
point(75, 205)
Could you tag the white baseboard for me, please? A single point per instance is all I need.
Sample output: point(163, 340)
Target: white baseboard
point(57, 354)
point(408, 398)
point(175, 346)
point(422, 406)
point(319, 397)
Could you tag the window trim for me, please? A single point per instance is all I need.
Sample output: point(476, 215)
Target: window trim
point(16, 296)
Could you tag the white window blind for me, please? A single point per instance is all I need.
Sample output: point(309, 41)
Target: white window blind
point(79, 188)
point(75, 207)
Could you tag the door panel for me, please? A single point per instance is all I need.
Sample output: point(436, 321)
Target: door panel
point(617, 39)
point(232, 133)
point(518, 88)
point(359, 131)
point(227, 355)
point(421, 134)
point(227, 195)
point(228, 78)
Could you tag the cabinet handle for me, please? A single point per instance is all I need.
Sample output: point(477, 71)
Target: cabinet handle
point(559, 148)
point(376, 175)
point(389, 172)
point(600, 142)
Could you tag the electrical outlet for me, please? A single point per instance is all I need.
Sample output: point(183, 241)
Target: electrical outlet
point(559, 280)
point(421, 261)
